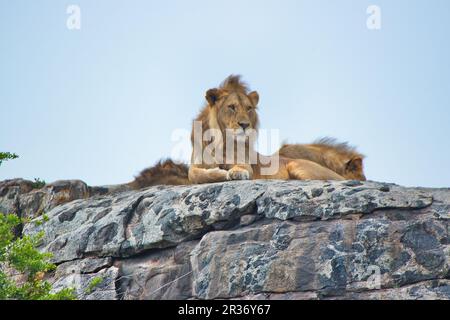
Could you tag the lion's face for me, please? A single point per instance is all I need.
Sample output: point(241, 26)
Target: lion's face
point(354, 169)
point(235, 111)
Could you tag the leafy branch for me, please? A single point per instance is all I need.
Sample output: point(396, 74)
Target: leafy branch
point(4, 156)
point(23, 267)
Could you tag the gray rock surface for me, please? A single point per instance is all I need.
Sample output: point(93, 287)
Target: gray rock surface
point(243, 239)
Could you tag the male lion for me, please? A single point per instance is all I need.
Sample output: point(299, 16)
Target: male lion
point(233, 107)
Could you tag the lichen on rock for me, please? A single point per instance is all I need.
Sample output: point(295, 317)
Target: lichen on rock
point(243, 239)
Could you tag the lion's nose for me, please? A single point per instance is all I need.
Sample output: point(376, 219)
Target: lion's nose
point(244, 125)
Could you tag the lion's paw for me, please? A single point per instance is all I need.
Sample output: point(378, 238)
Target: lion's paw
point(238, 174)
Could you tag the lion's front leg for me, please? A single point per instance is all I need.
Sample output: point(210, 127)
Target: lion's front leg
point(199, 175)
point(240, 172)
point(307, 170)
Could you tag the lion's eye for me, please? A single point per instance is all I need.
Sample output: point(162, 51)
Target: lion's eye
point(232, 107)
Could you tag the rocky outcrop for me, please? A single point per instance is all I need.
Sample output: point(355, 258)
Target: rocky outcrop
point(242, 240)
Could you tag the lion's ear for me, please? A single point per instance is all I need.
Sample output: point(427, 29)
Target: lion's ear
point(254, 97)
point(355, 164)
point(212, 95)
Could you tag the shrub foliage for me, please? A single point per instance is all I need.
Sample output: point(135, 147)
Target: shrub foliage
point(23, 267)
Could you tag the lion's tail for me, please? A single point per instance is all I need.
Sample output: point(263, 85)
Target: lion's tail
point(164, 172)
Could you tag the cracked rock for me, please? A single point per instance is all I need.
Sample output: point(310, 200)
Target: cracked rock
point(242, 239)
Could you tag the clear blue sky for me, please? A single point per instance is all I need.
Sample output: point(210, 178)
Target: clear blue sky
point(100, 104)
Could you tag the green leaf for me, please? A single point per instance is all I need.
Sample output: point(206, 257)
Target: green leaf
point(4, 156)
point(21, 256)
point(95, 282)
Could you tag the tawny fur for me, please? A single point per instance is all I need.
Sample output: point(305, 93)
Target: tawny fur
point(165, 172)
point(323, 159)
point(227, 107)
point(337, 156)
